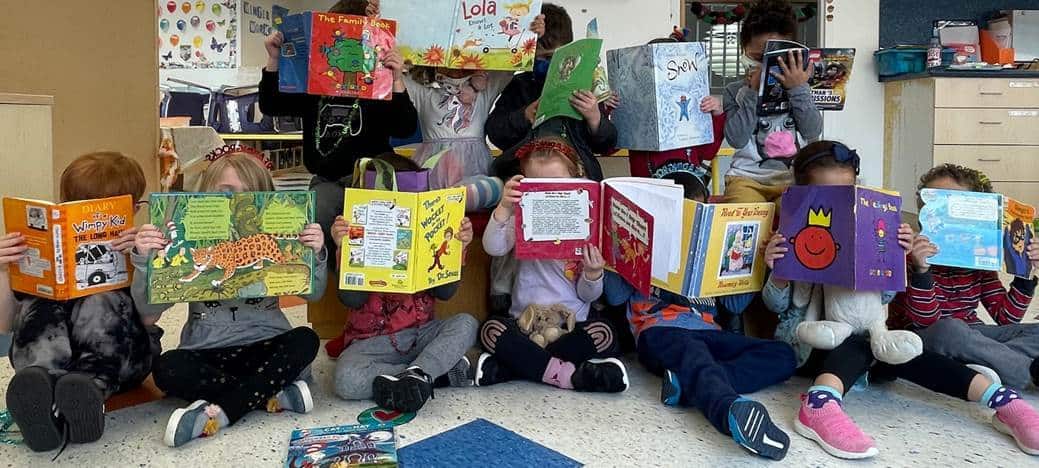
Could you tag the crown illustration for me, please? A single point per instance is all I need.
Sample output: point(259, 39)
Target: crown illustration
point(819, 217)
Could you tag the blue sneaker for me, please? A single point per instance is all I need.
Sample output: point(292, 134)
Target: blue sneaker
point(296, 398)
point(670, 389)
point(200, 419)
point(753, 429)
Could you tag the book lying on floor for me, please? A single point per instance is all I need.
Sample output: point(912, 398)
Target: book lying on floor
point(572, 69)
point(979, 231)
point(632, 221)
point(230, 245)
point(336, 55)
point(70, 246)
point(842, 235)
point(343, 446)
point(401, 242)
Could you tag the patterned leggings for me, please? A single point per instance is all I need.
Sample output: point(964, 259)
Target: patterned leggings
point(524, 359)
point(239, 379)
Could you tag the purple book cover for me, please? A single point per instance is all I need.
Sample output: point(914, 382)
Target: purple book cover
point(842, 235)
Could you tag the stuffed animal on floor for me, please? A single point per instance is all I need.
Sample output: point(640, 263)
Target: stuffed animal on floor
point(852, 312)
point(545, 324)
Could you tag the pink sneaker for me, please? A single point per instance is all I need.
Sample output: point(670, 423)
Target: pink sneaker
point(1020, 421)
point(822, 419)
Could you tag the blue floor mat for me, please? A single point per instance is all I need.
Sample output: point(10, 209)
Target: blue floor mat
point(481, 444)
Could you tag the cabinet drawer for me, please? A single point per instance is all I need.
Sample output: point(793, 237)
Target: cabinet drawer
point(986, 92)
point(999, 163)
point(986, 127)
point(1027, 192)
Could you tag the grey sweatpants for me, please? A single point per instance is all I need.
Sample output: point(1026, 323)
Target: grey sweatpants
point(434, 347)
point(1007, 349)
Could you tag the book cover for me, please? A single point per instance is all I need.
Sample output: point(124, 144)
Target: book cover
point(70, 246)
point(967, 227)
point(572, 69)
point(842, 235)
point(1018, 219)
point(772, 97)
point(557, 218)
point(466, 34)
point(830, 73)
point(330, 54)
point(727, 248)
point(231, 246)
point(401, 242)
point(601, 84)
point(670, 117)
point(627, 239)
point(355, 445)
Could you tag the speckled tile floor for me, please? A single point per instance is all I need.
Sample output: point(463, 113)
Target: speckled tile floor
point(912, 426)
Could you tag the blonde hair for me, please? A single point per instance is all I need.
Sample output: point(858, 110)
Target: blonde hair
point(548, 148)
point(102, 174)
point(254, 176)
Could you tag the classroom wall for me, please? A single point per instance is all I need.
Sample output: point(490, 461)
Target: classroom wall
point(910, 22)
point(99, 61)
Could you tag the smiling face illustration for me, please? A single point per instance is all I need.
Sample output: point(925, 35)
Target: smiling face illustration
point(814, 246)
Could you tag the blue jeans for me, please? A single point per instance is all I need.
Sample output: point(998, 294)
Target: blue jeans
point(715, 367)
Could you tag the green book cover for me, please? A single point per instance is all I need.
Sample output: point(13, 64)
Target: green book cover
point(230, 246)
point(572, 69)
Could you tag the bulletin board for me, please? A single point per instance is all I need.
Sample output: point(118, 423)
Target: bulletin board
point(198, 33)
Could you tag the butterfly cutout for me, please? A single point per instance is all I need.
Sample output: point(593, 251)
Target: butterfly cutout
point(221, 22)
point(168, 56)
point(217, 46)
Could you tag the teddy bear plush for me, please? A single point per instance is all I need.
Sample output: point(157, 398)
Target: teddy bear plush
point(545, 324)
point(852, 312)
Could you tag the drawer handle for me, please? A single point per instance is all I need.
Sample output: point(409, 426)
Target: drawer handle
point(990, 159)
point(990, 122)
point(990, 93)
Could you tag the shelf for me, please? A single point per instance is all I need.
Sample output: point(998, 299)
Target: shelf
point(262, 136)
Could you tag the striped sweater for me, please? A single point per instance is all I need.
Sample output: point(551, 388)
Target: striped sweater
point(945, 292)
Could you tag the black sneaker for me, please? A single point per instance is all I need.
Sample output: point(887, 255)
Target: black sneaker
point(601, 375)
point(82, 403)
point(461, 375)
point(1034, 370)
point(670, 389)
point(30, 399)
point(489, 371)
point(500, 304)
point(752, 428)
point(407, 391)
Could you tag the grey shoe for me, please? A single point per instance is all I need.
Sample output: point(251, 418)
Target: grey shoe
point(461, 375)
point(187, 424)
point(296, 398)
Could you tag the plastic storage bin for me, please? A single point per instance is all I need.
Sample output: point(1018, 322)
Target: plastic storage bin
point(893, 62)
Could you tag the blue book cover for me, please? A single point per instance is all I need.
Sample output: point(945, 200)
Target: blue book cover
point(295, 53)
point(356, 445)
point(967, 227)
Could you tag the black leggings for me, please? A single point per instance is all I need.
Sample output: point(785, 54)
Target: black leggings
point(241, 378)
point(522, 358)
point(854, 358)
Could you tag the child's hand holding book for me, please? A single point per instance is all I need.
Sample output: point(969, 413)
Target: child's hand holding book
point(149, 239)
point(510, 197)
point(126, 240)
point(313, 237)
point(775, 250)
point(587, 104)
point(12, 249)
point(792, 72)
point(1033, 253)
point(593, 263)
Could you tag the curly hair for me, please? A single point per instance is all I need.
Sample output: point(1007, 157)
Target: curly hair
point(350, 7)
point(559, 28)
point(973, 179)
point(769, 16)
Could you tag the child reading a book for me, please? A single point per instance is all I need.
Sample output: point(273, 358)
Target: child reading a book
point(336, 130)
point(581, 359)
point(703, 366)
point(941, 302)
point(392, 349)
point(235, 355)
point(765, 145)
point(821, 417)
point(70, 356)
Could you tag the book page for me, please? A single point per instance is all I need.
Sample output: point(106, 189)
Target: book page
point(628, 239)
point(561, 215)
point(378, 253)
point(967, 227)
point(438, 251)
point(663, 202)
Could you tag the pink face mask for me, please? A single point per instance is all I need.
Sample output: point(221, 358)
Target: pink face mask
point(781, 144)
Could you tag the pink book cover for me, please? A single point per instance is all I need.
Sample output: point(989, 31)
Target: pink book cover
point(557, 219)
point(627, 240)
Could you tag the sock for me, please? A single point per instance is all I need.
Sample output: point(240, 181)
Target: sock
point(559, 374)
point(282, 401)
point(997, 396)
point(210, 421)
point(818, 395)
point(482, 193)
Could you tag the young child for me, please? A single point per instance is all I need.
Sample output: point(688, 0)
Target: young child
point(70, 356)
point(337, 131)
point(941, 302)
point(703, 366)
point(392, 348)
point(579, 360)
point(511, 122)
point(821, 417)
point(235, 356)
point(764, 145)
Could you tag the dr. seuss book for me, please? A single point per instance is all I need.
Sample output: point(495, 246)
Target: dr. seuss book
point(356, 445)
point(830, 72)
point(978, 231)
point(401, 242)
point(230, 246)
point(572, 69)
point(842, 235)
point(70, 246)
point(772, 96)
point(336, 55)
point(662, 86)
point(466, 34)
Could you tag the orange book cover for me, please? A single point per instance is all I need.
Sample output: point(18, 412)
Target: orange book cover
point(70, 246)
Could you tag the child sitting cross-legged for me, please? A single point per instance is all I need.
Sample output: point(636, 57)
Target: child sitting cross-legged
point(702, 365)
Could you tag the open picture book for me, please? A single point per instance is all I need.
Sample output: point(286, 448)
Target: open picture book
point(648, 232)
point(231, 246)
point(70, 246)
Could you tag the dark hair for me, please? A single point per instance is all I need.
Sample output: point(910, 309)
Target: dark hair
point(350, 7)
point(695, 188)
point(559, 28)
point(663, 40)
point(821, 155)
point(973, 179)
point(768, 16)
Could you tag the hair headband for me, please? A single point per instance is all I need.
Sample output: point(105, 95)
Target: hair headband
point(543, 145)
point(225, 150)
point(840, 153)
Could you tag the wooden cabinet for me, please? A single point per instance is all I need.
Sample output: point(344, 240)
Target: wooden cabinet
point(26, 154)
point(989, 124)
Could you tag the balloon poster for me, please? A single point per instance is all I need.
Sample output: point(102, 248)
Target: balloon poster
point(198, 33)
